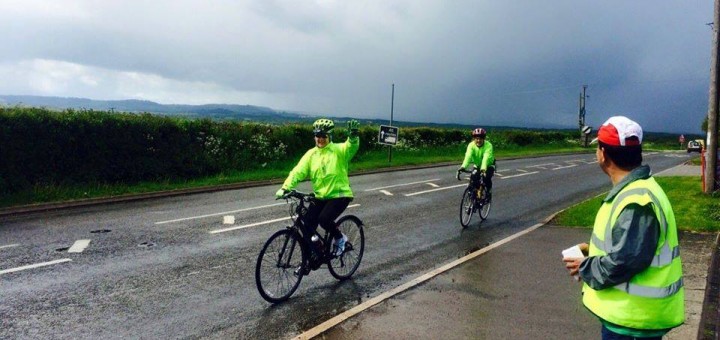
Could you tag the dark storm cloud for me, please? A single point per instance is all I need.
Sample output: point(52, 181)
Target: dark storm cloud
point(519, 63)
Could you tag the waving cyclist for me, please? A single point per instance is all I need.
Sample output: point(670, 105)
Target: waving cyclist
point(327, 166)
point(480, 152)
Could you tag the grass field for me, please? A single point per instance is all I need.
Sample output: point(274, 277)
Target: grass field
point(694, 210)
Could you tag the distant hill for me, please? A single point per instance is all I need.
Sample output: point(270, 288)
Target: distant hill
point(221, 112)
point(215, 111)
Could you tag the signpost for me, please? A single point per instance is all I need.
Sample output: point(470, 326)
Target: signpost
point(586, 132)
point(388, 135)
point(681, 140)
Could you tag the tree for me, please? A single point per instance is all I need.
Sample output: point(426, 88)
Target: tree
point(704, 126)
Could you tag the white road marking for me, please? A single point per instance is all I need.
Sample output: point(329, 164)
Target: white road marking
point(387, 193)
point(524, 174)
point(399, 185)
point(229, 219)
point(541, 166)
point(433, 185)
point(319, 329)
point(218, 214)
point(31, 266)
point(565, 167)
point(10, 246)
point(521, 170)
point(261, 223)
point(79, 246)
point(249, 225)
point(433, 190)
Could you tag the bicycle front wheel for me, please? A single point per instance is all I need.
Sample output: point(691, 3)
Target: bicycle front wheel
point(467, 206)
point(280, 266)
point(485, 210)
point(344, 266)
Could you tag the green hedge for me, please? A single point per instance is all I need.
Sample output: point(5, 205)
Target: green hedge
point(43, 147)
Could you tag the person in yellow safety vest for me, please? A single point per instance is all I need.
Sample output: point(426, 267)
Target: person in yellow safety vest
point(632, 275)
point(327, 166)
point(480, 153)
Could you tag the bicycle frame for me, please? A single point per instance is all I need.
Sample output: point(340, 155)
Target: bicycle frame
point(302, 203)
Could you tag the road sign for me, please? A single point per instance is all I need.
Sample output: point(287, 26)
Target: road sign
point(682, 139)
point(586, 130)
point(388, 135)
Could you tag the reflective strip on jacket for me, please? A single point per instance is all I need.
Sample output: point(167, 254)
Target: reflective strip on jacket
point(482, 157)
point(654, 298)
point(327, 168)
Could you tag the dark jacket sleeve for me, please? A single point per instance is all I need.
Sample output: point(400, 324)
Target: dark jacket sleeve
point(634, 241)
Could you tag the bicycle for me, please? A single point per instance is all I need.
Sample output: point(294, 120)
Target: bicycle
point(475, 197)
point(288, 255)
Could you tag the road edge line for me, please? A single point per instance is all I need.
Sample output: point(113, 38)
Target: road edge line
point(334, 321)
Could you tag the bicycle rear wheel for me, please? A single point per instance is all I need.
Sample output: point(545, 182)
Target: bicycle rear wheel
point(280, 266)
point(344, 266)
point(467, 206)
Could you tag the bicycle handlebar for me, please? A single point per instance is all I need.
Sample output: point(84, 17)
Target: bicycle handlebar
point(468, 172)
point(298, 195)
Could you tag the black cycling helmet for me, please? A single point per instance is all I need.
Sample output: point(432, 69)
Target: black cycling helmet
point(479, 132)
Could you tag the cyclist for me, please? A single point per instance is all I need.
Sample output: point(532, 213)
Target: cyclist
point(480, 153)
point(327, 166)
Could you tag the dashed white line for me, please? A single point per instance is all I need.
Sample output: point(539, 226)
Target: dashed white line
point(31, 266)
point(79, 246)
point(433, 185)
point(10, 246)
point(403, 184)
point(260, 223)
point(387, 193)
point(433, 190)
point(218, 214)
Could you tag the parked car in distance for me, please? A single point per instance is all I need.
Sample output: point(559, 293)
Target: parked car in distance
point(695, 145)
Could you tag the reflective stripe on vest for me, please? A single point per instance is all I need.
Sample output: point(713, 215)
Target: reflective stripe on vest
point(664, 258)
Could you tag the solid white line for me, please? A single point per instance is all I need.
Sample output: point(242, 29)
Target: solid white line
point(319, 329)
point(565, 167)
point(31, 266)
point(387, 193)
point(261, 223)
point(218, 214)
point(539, 165)
point(438, 189)
point(525, 174)
point(10, 245)
point(249, 225)
point(79, 246)
point(433, 185)
point(399, 185)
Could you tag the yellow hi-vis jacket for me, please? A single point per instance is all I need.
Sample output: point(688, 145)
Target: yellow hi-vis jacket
point(327, 168)
point(654, 298)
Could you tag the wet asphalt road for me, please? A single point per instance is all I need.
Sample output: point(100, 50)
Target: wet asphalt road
point(154, 269)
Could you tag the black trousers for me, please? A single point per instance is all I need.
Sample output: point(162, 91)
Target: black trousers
point(325, 212)
point(488, 177)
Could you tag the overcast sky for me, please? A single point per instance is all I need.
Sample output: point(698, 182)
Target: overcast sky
point(499, 62)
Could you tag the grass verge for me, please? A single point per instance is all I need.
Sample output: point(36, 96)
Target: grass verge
point(694, 211)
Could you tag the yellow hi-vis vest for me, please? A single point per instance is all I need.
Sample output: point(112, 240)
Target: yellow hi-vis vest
point(654, 298)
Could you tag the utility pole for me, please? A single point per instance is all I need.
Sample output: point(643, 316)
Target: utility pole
point(581, 117)
point(392, 104)
point(712, 132)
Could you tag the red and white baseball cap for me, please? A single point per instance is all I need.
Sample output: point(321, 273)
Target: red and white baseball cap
point(617, 129)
